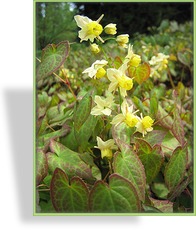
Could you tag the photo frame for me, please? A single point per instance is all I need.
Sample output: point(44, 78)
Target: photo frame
point(113, 108)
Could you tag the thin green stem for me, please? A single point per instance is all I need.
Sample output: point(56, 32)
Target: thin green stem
point(170, 78)
point(120, 98)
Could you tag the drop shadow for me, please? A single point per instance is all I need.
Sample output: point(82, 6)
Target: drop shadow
point(19, 111)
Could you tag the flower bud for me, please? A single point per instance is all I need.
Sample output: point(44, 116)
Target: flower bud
point(94, 48)
point(122, 40)
point(110, 29)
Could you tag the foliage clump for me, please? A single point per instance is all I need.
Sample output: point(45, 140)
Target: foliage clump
point(114, 122)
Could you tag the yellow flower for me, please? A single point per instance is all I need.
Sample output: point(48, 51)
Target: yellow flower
point(127, 116)
point(96, 70)
point(94, 48)
point(119, 79)
point(106, 147)
point(144, 125)
point(103, 105)
point(110, 29)
point(89, 29)
point(122, 40)
point(132, 59)
point(158, 64)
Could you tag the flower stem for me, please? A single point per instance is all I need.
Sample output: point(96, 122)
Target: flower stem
point(120, 98)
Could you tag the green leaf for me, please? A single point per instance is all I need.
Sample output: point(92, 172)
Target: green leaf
point(185, 57)
point(153, 106)
point(67, 160)
point(138, 103)
point(176, 168)
point(122, 132)
point(142, 146)
point(178, 129)
point(169, 144)
point(82, 136)
point(82, 111)
point(41, 166)
point(140, 73)
point(128, 165)
point(47, 207)
point(68, 196)
point(164, 206)
point(70, 141)
point(155, 137)
point(53, 56)
point(119, 196)
point(180, 188)
point(163, 118)
point(160, 190)
point(44, 139)
point(152, 159)
point(150, 209)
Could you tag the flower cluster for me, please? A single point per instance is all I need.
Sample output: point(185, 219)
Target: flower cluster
point(118, 81)
point(91, 30)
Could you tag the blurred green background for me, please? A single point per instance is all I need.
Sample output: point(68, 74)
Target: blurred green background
point(55, 23)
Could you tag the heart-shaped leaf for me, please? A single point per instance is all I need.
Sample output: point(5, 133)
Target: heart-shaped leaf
point(119, 196)
point(163, 205)
point(41, 166)
point(175, 168)
point(151, 158)
point(53, 56)
point(71, 197)
point(128, 165)
point(140, 73)
point(67, 160)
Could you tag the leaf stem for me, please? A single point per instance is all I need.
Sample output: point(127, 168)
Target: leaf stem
point(170, 78)
point(66, 82)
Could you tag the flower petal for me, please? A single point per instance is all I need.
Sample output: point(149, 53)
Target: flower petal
point(107, 111)
point(118, 119)
point(82, 21)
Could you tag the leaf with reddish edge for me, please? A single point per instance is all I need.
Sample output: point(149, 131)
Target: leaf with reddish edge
point(155, 137)
point(163, 205)
point(69, 161)
point(140, 73)
point(176, 168)
point(152, 163)
point(164, 119)
point(122, 132)
point(41, 166)
point(70, 197)
point(127, 164)
point(178, 129)
point(142, 146)
point(53, 57)
point(119, 196)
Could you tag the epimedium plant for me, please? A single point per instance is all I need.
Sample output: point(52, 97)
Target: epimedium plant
point(111, 138)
